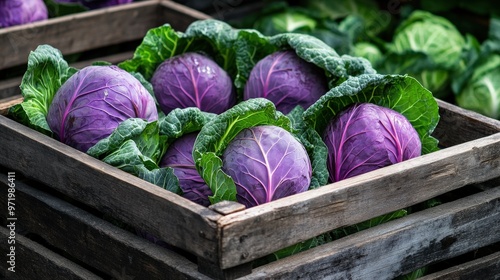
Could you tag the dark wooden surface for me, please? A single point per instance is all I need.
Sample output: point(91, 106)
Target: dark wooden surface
point(109, 190)
point(485, 268)
point(400, 246)
point(78, 32)
point(98, 243)
point(33, 261)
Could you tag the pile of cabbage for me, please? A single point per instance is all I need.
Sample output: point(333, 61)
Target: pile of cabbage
point(218, 113)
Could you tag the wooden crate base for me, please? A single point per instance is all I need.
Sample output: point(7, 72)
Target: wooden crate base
point(33, 261)
point(108, 250)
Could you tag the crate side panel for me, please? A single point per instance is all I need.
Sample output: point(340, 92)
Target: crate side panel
point(95, 242)
point(179, 16)
point(487, 267)
point(458, 125)
point(400, 246)
point(176, 220)
point(303, 216)
point(79, 32)
point(33, 261)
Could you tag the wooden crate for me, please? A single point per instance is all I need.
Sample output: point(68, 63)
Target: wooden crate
point(222, 241)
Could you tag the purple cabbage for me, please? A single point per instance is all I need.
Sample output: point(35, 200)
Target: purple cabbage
point(287, 80)
point(179, 157)
point(94, 101)
point(193, 80)
point(266, 163)
point(365, 137)
point(17, 12)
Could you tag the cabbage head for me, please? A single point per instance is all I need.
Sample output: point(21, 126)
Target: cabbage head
point(266, 163)
point(365, 137)
point(481, 92)
point(179, 157)
point(193, 80)
point(429, 48)
point(17, 12)
point(287, 80)
point(94, 101)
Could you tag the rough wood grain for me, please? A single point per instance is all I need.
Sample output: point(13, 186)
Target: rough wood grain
point(400, 246)
point(93, 241)
point(487, 267)
point(305, 215)
point(227, 207)
point(458, 125)
point(33, 261)
point(123, 196)
point(177, 15)
point(78, 32)
point(9, 87)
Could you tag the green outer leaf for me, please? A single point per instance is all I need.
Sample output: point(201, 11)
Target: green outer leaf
point(159, 44)
point(129, 158)
point(46, 72)
point(181, 121)
point(144, 134)
point(214, 38)
point(400, 93)
point(314, 145)
point(252, 46)
point(216, 135)
point(220, 37)
point(162, 177)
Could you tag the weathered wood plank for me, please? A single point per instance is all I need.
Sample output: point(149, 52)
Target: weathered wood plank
point(109, 190)
point(487, 267)
point(6, 103)
point(179, 16)
point(78, 32)
point(355, 199)
point(9, 87)
point(400, 246)
point(33, 261)
point(93, 241)
point(457, 125)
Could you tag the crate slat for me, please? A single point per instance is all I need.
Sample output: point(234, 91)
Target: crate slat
point(33, 261)
point(356, 199)
point(68, 33)
point(108, 189)
point(93, 241)
point(400, 246)
point(458, 125)
point(487, 267)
